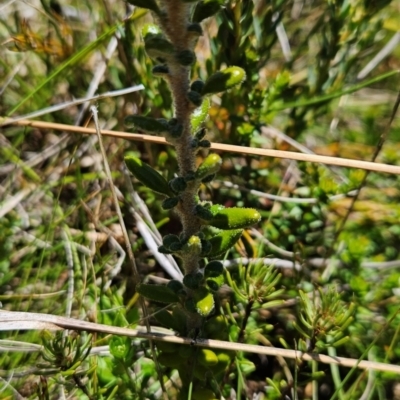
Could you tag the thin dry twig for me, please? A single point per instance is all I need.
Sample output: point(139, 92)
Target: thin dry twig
point(14, 320)
point(62, 106)
point(131, 257)
point(341, 162)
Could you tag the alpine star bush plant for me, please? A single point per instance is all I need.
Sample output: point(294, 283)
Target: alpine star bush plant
point(208, 230)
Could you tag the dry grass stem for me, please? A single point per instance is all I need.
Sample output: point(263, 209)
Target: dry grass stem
point(290, 155)
point(14, 320)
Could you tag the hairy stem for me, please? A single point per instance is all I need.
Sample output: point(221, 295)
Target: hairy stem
point(174, 22)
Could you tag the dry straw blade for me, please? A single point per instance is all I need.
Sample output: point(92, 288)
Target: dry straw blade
point(290, 155)
point(14, 320)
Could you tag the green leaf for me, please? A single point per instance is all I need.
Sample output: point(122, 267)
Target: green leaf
point(215, 283)
point(160, 70)
point(200, 114)
point(180, 318)
point(186, 57)
point(147, 124)
point(217, 328)
point(148, 4)
point(170, 239)
point(213, 269)
point(166, 319)
point(206, 357)
point(159, 293)
point(147, 175)
point(210, 165)
point(177, 184)
point(223, 241)
point(158, 47)
point(176, 286)
point(205, 9)
point(120, 346)
point(233, 218)
point(195, 98)
point(203, 301)
point(151, 30)
point(223, 80)
point(195, 29)
point(197, 85)
point(170, 203)
point(203, 213)
point(193, 281)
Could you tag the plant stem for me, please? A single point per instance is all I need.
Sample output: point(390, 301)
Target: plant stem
point(174, 23)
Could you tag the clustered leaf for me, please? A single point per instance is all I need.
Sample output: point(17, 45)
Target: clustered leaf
point(147, 175)
point(217, 228)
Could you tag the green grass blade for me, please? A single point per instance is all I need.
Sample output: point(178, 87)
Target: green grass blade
point(320, 99)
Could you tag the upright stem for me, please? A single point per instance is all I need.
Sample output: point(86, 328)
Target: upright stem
point(175, 21)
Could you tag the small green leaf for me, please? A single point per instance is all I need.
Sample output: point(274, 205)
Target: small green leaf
point(246, 366)
point(215, 283)
point(203, 213)
point(176, 286)
point(195, 28)
point(205, 247)
point(223, 241)
point(205, 9)
point(207, 357)
point(193, 281)
point(119, 346)
point(180, 318)
point(147, 175)
point(208, 178)
point(210, 165)
point(151, 30)
point(197, 86)
point(165, 318)
point(160, 70)
point(203, 301)
point(217, 328)
point(195, 98)
point(213, 269)
point(170, 203)
point(200, 114)
point(175, 131)
point(233, 218)
point(158, 293)
point(159, 48)
point(164, 250)
point(148, 4)
point(223, 80)
point(186, 57)
point(168, 240)
point(147, 124)
point(178, 184)
point(200, 134)
point(206, 144)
